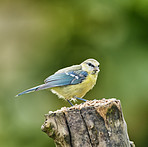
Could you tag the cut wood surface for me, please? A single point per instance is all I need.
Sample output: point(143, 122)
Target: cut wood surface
point(97, 123)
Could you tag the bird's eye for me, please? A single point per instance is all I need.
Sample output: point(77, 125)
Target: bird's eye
point(89, 64)
point(98, 65)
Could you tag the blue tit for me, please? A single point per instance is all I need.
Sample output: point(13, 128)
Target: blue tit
point(72, 82)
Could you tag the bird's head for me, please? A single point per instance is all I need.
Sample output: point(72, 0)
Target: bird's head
point(91, 66)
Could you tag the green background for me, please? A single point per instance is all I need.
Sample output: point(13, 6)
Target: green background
point(39, 37)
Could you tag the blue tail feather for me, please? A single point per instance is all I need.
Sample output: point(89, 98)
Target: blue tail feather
point(30, 90)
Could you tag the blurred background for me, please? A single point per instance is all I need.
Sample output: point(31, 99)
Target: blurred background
point(39, 37)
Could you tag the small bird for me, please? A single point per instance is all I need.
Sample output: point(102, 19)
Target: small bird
point(72, 82)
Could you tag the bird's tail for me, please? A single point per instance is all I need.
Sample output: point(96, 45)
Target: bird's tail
point(37, 88)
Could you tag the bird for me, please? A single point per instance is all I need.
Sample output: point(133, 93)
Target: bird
point(72, 82)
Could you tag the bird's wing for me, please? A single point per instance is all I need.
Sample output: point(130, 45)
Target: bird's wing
point(68, 77)
point(64, 73)
point(60, 79)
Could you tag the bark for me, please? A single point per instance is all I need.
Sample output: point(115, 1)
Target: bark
point(97, 123)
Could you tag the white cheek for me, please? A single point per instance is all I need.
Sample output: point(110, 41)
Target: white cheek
point(90, 68)
point(87, 68)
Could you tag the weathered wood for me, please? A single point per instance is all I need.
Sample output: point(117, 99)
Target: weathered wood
point(97, 123)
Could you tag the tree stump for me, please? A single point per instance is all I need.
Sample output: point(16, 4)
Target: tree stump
point(97, 123)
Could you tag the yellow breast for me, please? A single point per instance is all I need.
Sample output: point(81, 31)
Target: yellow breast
point(78, 90)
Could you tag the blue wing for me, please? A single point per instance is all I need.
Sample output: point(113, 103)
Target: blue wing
point(60, 79)
point(63, 79)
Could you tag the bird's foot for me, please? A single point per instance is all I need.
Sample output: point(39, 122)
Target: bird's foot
point(80, 99)
point(70, 102)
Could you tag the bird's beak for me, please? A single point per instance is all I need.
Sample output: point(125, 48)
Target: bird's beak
point(96, 69)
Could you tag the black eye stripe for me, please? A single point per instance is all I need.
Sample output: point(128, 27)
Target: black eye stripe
point(89, 64)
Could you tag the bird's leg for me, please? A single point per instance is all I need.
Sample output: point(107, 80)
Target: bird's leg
point(80, 99)
point(70, 102)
